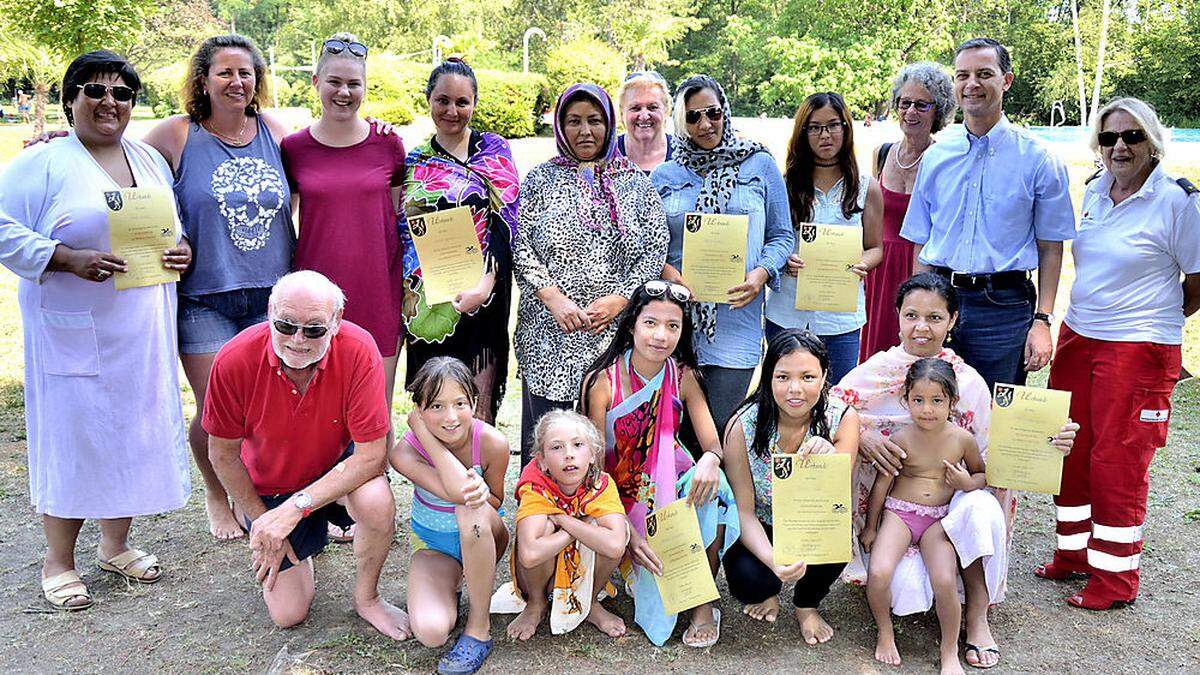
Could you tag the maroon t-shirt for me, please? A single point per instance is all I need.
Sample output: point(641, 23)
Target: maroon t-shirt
point(291, 439)
point(348, 225)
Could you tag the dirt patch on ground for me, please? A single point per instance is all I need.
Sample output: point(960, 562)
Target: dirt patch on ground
point(206, 614)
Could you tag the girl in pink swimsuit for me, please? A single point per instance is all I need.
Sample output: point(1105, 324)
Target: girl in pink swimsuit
point(908, 508)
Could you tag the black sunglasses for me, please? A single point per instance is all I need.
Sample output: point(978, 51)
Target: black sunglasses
point(289, 328)
point(338, 46)
point(1107, 139)
point(714, 113)
point(657, 288)
point(96, 91)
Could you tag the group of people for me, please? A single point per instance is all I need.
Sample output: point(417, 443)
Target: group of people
point(633, 394)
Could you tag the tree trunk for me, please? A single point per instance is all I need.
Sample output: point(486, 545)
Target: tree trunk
point(1100, 57)
point(41, 93)
point(1083, 110)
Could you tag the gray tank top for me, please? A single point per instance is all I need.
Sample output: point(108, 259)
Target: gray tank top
point(236, 211)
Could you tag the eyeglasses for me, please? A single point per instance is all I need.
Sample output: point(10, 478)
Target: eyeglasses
point(1107, 139)
point(289, 328)
point(834, 128)
point(658, 288)
point(96, 91)
point(921, 106)
point(714, 113)
point(338, 46)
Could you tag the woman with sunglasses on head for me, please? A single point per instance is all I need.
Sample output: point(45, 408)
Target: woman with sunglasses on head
point(713, 171)
point(234, 202)
point(641, 393)
point(824, 187)
point(923, 98)
point(591, 232)
point(460, 166)
point(348, 179)
point(1137, 276)
point(104, 420)
point(645, 104)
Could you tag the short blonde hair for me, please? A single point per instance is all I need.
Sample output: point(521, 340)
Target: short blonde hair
point(325, 56)
point(640, 82)
point(1143, 113)
point(592, 480)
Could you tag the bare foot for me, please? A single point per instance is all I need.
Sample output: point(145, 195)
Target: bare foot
point(885, 649)
point(767, 610)
point(385, 617)
point(814, 628)
point(526, 624)
point(340, 535)
point(221, 522)
point(950, 664)
point(979, 633)
point(610, 624)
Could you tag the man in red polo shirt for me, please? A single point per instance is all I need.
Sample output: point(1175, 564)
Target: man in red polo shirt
point(285, 400)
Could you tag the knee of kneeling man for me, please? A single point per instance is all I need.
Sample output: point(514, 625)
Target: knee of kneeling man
point(289, 616)
point(429, 634)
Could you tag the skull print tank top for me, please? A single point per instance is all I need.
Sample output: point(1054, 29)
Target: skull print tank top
point(235, 206)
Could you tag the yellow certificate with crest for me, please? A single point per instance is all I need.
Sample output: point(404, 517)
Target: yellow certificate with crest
point(448, 248)
point(1024, 421)
point(826, 283)
point(673, 533)
point(810, 508)
point(714, 254)
point(141, 226)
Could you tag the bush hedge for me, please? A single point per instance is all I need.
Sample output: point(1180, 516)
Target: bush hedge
point(509, 103)
point(584, 60)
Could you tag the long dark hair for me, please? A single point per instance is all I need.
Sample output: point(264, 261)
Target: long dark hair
point(684, 354)
point(801, 162)
point(787, 342)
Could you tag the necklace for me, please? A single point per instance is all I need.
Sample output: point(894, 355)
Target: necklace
point(906, 167)
point(212, 128)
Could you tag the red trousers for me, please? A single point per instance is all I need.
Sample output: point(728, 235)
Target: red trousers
point(1121, 398)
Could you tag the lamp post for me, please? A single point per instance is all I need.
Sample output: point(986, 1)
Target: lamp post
point(438, 41)
point(533, 30)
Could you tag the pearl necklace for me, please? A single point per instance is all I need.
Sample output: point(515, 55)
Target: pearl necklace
point(915, 162)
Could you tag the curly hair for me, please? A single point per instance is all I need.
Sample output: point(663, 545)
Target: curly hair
point(933, 77)
point(195, 97)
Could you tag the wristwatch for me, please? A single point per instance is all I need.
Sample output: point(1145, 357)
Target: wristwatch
point(1044, 317)
point(303, 501)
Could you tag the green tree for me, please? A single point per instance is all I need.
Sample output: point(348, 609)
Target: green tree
point(71, 27)
point(25, 59)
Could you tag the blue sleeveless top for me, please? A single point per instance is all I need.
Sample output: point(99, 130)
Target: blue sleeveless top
point(235, 205)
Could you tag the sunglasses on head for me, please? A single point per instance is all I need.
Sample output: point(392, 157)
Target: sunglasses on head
point(96, 91)
point(658, 288)
point(653, 75)
point(714, 113)
point(288, 328)
point(338, 46)
point(1107, 139)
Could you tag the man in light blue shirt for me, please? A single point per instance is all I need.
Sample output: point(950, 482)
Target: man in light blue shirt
point(991, 204)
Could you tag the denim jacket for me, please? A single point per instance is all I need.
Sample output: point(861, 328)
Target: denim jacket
point(761, 194)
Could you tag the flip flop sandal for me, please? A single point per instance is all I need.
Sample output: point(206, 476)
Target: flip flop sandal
point(467, 656)
point(134, 565)
point(696, 626)
point(979, 651)
point(54, 589)
point(341, 535)
point(1083, 601)
point(1055, 573)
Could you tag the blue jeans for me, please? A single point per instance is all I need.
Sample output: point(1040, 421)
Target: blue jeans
point(843, 350)
point(993, 325)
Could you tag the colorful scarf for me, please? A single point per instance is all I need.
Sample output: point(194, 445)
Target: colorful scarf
point(594, 177)
point(538, 494)
point(719, 168)
point(435, 180)
point(873, 388)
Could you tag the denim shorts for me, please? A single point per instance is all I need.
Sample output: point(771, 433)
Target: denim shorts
point(207, 322)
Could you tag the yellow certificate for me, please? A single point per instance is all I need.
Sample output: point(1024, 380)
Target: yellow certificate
point(1024, 421)
point(826, 283)
point(714, 254)
point(448, 248)
point(141, 225)
point(674, 535)
point(810, 508)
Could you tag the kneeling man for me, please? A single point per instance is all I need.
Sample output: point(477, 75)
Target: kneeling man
point(284, 401)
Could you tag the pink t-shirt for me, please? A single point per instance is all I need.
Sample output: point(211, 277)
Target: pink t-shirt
point(348, 226)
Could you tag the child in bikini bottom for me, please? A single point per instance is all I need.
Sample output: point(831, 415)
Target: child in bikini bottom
point(918, 517)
